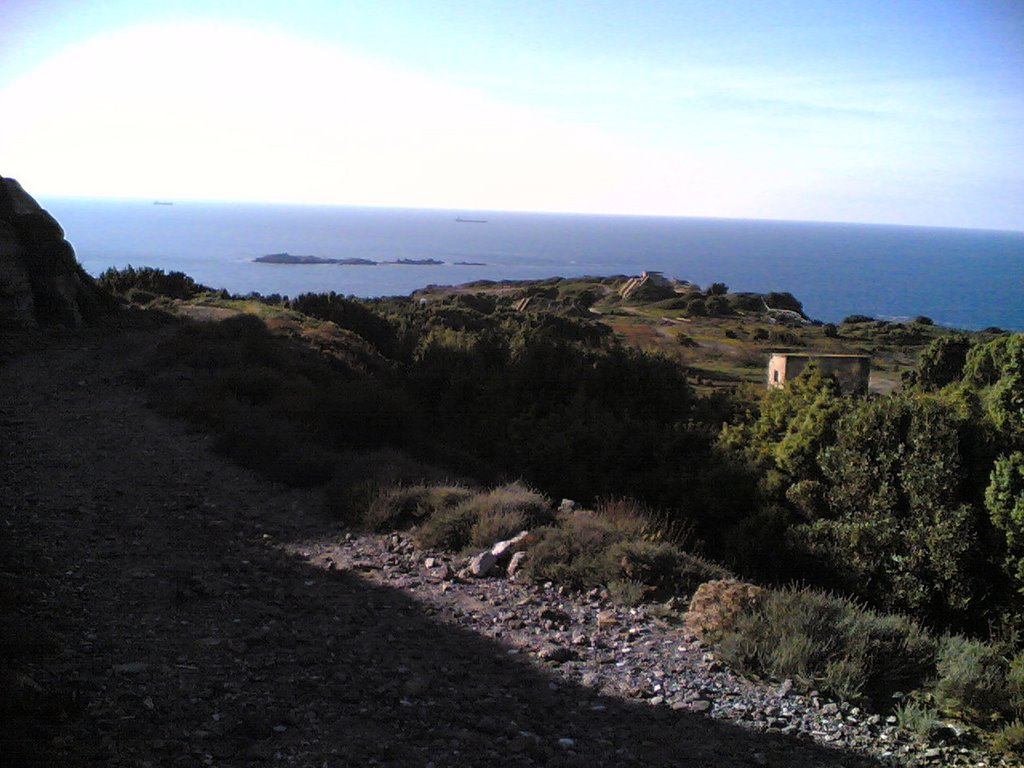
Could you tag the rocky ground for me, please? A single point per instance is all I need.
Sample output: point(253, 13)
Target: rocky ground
point(161, 607)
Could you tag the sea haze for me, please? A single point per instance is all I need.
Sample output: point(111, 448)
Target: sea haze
point(963, 278)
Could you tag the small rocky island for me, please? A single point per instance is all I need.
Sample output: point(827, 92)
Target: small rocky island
point(288, 258)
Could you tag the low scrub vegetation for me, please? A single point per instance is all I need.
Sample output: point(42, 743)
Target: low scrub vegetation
point(830, 644)
point(909, 503)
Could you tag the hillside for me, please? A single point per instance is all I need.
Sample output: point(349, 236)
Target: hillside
point(255, 530)
point(163, 606)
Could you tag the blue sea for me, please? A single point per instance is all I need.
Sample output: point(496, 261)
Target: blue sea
point(963, 278)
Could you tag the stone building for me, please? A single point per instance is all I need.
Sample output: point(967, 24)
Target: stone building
point(851, 371)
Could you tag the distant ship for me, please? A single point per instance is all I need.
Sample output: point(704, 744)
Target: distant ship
point(162, 202)
point(470, 221)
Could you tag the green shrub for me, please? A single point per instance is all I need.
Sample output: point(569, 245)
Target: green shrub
point(1015, 683)
point(692, 571)
point(974, 678)
point(573, 553)
point(830, 643)
point(534, 507)
point(627, 592)
point(652, 563)
point(448, 529)
point(402, 506)
point(942, 362)
point(917, 718)
point(697, 308)
point(360, 477)
point(139, 296)
point(675, 303)
point(599, 549)
point(176, 285)
point(717, 305)
point(505, 511)
point(1004, 500)
point(497, 526)
point(1010, 738)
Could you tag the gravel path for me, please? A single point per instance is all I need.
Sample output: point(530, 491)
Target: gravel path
point(162, 607)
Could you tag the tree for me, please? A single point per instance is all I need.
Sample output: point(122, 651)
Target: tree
point(997, 370)
point(942, 362)
point(1004, 500)
point(795, 423)
point(899, 523)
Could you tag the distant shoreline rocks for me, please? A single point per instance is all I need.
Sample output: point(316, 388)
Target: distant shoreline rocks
point(288, 258)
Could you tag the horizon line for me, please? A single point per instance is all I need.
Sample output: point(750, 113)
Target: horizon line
point(456, 210)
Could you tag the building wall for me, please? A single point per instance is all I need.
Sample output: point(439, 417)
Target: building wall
point(851, 371)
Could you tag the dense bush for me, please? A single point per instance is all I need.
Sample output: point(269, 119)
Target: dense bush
point(452, 519)
point(942, 362)
point(1004, 499)
point(784, 300)
point(147, 280)
point(403, 506)
point(572, 553)
point(975, 679)
point(448, 529)
point(351, 314)
point(360, 477)
point(899, 523)
point(830, 644)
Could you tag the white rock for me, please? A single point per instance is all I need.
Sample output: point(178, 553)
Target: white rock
point(509, 546)
point(515, 564)
point(482, 564)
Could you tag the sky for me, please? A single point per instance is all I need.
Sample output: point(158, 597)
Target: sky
point(884, 111)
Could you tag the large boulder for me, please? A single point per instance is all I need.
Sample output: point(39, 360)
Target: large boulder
point(41, 282)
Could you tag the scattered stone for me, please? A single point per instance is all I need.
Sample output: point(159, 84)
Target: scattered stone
point(556, 617)
point(515, 564)
point(507, 548)
point(481, 565)
point(557, 654)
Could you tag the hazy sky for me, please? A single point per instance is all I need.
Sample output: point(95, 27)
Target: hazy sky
point(876, 110)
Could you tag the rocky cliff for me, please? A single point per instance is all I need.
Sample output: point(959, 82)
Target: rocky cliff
point(41, 282)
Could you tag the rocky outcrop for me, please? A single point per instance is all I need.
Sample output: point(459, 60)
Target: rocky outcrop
point(650, 286)
point(41, 282)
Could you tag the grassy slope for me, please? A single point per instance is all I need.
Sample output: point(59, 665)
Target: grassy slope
point(727, 350)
